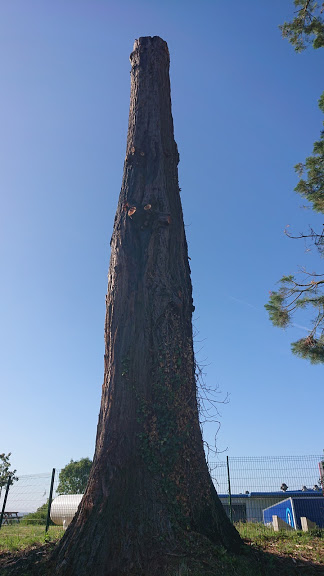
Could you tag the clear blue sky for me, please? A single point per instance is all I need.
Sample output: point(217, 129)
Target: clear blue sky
point(245, 112)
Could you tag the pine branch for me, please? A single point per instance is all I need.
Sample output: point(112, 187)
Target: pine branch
point(307, 26)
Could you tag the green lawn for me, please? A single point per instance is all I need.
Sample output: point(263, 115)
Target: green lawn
point(18, 536)
point(295, 543)
point(265, 552)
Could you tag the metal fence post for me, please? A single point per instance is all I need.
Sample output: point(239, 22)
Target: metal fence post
point(5, 500)
point(229, 489)
point(50, 501)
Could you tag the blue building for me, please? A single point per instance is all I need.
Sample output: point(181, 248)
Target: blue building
point(249, 507)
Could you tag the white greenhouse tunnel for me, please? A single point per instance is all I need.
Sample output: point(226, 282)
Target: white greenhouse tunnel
point(64, 508)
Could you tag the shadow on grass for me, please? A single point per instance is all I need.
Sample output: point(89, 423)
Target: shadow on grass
point(264, 563)
point(252, 561)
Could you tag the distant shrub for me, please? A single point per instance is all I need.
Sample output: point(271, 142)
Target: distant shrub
point(38, 517)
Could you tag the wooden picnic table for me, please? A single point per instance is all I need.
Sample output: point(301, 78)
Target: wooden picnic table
point(8, 517)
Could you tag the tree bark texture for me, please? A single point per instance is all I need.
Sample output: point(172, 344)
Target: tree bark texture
point(149, 490)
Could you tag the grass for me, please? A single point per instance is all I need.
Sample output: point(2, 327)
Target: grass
point(265, 553)
point(19, 537)
point(294, 544)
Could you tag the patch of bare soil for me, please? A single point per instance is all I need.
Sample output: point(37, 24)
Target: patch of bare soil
point(33, 561)
point(268, 560)
point(296, 559)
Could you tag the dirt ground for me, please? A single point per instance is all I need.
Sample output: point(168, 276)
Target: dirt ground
point(268, 560)
point(29, 562)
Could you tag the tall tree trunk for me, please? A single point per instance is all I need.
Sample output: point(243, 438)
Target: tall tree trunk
point(149, 489)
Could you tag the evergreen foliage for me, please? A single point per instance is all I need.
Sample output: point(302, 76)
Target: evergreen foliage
point(306, 291)
point(293, 295)
point(277, 312)
point(310, 348)
point(307, 26)
point(312, 188)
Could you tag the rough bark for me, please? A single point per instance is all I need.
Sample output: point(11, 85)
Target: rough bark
point(149, 493)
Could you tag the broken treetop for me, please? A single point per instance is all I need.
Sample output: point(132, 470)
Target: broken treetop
point(150, 172)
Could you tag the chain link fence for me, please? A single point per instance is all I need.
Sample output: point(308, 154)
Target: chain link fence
point(247, 487)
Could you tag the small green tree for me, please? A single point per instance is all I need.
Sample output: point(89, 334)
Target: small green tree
point(74, 476)
point(306, 289)
point(5, 472)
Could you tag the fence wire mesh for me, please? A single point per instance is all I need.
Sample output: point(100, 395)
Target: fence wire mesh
point(25, 514)
point(255, 489)
point(247, 487)
point(266, 473)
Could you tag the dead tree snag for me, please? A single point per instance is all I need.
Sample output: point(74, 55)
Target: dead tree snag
point(149, 492)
